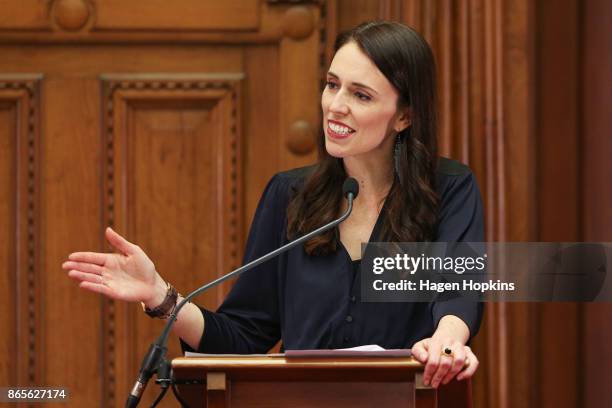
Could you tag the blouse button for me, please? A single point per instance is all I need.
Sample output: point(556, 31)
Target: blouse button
point(353, 298)
point(349, 318)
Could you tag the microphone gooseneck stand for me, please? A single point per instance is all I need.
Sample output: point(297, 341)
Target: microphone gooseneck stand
point(155, 359)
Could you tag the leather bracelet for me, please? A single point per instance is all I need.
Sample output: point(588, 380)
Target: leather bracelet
point(165, 309)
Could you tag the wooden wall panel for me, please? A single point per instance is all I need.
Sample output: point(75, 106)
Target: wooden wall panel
point(71, 326)
point(9, 287)
point(172, 186)
point(169, 133)
point(558, 140)
point(558, 119)
point(19, 205)
point(595, 180)
point(261, 160)
point(517, 210)
point(595, 119)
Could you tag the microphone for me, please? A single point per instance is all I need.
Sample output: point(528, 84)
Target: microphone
point(157, 351)
point(350, 186)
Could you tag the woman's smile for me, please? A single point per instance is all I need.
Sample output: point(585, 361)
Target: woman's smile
point(338, 130)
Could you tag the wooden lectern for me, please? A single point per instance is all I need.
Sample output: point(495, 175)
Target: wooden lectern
point(277, 381)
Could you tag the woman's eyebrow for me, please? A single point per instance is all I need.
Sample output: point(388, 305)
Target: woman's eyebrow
point(359, 84)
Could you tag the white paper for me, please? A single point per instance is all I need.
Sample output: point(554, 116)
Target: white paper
point(368, 347)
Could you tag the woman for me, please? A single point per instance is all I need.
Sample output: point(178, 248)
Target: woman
point(379, 125)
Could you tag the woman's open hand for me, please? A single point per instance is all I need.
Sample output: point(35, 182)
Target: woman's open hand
point(126, 275)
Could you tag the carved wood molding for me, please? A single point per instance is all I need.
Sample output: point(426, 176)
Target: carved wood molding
point(23, 92)
point(71, 15)
point(121, 90)
point(193, 21)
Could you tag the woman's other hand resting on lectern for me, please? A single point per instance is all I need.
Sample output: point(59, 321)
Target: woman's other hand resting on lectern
point(440, 367)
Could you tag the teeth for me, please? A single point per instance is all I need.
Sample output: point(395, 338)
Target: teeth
point(339, 129)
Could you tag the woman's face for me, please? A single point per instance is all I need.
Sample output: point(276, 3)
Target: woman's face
point(359, 105)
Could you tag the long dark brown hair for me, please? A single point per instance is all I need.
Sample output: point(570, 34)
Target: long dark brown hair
point(406, 60)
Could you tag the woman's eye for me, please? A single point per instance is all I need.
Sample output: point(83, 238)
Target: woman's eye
point(363, 96)
point(331, 85)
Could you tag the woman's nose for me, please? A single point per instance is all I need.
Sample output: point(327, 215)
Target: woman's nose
point(338, 104)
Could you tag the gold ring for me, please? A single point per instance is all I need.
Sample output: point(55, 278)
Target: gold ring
point(447, 352)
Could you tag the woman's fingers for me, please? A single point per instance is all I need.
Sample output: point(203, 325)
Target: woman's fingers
point(86, 277)
point(419, 350)
point(459, 354)
point(441, 368)
point(84, 267)
point(118, 242)
point(472, 360)
point(89, 257)
point(433, 361)
point(444, 365)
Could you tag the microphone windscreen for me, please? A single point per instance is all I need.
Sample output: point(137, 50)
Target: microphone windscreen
point(350, 186)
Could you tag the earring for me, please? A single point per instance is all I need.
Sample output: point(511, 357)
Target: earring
point(397, 156)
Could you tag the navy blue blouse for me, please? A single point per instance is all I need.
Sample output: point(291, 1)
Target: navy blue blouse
point(314, 302)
